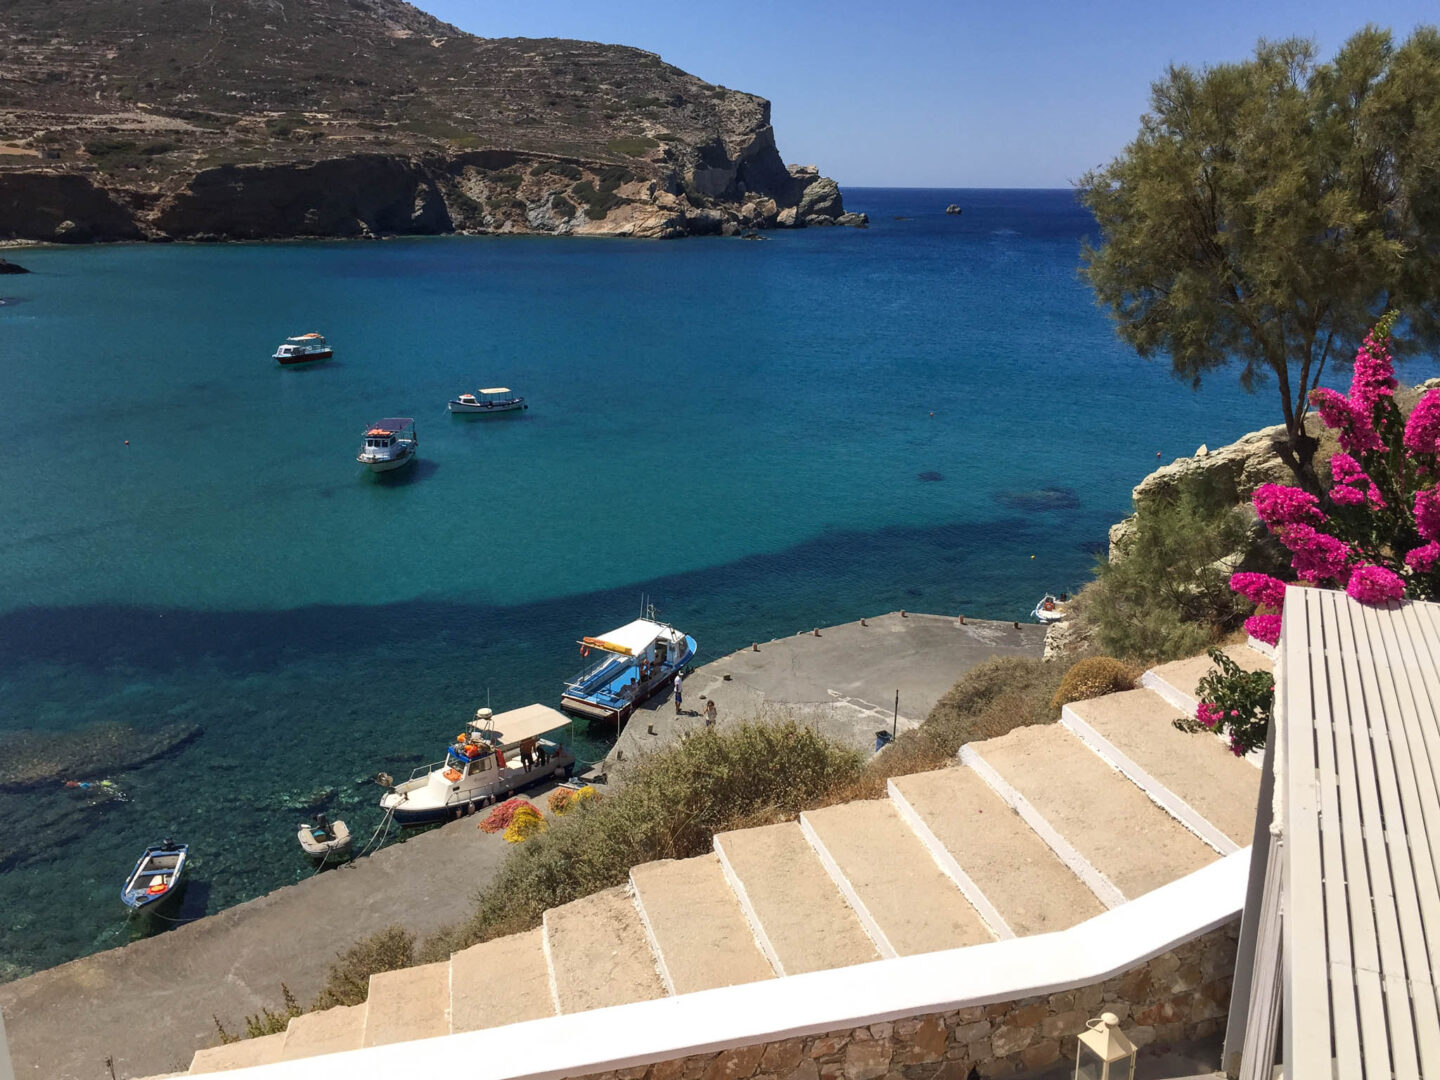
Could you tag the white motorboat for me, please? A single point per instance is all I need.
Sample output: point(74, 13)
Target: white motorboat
point(496, 757)
point(303, 349)
point(1050, 609)
point(494, 399)
point(389, 444)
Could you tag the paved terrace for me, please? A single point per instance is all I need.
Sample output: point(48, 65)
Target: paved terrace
point(842, 682)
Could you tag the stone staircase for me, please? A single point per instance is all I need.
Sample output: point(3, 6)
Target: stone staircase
point(1034, 832)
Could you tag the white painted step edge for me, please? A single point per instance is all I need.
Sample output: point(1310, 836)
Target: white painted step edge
point(1080, 866)
point(1159, 794)
point(949, 866)
point(1171, 693)
point(752, 917)
point(1264, 648)
point(656, 953)
point(550, 962)
point(847, 890)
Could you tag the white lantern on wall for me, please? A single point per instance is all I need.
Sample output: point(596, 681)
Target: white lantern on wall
point(1103, 1052)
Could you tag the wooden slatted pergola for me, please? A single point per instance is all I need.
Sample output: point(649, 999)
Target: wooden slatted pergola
point(1340, 942)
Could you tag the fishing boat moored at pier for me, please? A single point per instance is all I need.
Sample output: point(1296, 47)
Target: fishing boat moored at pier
point(156, 877)
point(639, 659)
point(496, 757)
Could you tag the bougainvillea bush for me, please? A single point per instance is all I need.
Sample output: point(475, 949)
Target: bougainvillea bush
point(1236, 703)
point(1374, 531)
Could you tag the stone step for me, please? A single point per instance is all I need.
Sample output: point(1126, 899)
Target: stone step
point(904, 900)
point(1177, 680)
point(1136, 733)
point(699, 934)
point(265, 1050)
point(1112, 825)
point(1017, 872)
point(599, 953)
point(412, 1003)
point(802, 921)
point(500, 982)
point(326, 1032)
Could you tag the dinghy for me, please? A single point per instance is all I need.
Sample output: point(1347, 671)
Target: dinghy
point(156, 876)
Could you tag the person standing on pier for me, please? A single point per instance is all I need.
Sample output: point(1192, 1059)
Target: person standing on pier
point(677, 693)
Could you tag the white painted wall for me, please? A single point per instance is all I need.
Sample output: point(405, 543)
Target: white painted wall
point(797, 1005)
point(7, 1070)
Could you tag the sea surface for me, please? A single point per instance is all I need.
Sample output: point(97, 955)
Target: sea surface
point(759, 436)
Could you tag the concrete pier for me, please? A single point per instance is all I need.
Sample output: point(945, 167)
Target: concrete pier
point(842, 682)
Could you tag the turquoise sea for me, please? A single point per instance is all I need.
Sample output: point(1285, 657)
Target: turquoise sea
point(761, 436)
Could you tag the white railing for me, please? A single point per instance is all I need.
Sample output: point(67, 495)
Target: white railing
point(626, 1036)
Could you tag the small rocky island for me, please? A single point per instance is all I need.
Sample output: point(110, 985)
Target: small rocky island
point(954, 208)
point(359, 118)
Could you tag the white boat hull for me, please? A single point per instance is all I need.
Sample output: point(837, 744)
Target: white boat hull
point(481, 407)
point(387, 464)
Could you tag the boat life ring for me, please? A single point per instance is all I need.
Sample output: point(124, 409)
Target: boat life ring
point(452, 775)
point(1049, 605)
point(157, 888)
point(584, 650)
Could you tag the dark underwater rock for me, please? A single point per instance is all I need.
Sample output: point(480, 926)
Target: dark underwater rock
point(34, 759)
point(7, 267)
point(930, 476)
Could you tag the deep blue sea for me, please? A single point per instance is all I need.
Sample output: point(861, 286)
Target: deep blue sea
point(761, 436)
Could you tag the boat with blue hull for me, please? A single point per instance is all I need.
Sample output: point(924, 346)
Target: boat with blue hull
point(637, 660)
point(156, 877)
point(496, 757)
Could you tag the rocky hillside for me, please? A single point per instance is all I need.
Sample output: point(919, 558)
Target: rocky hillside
point(201, 119)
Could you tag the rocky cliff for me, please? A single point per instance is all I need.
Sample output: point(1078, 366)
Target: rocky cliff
point(186, 119)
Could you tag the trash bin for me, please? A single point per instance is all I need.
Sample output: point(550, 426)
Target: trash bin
point(882, 740)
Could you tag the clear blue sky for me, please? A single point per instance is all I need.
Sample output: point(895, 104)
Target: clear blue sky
point(924, 93)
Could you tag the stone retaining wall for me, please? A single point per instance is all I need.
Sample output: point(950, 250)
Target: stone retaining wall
point(1175, 997)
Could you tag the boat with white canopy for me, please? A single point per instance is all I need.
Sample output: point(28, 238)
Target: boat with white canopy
point(389, 444)
point(302, 349)
point(637, 660)
point(495, 757)
point(494, 399)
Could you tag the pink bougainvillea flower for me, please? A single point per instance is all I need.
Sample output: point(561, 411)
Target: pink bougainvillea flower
point(1208, 714)
point(1373, 376)
point(1423, 558)
point(1334, 407)
point(1422, 430)
point(1236, 749)
point(1427, 513)
point(1264, 628)
point(1316, 556)
point(1260, 589)
point(1374, 585)
point(1280, 505)
point(1352, 485)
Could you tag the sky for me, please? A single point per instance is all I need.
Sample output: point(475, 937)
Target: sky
point(924, 93)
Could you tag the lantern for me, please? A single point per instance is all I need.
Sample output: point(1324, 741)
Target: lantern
point(1103, 1052)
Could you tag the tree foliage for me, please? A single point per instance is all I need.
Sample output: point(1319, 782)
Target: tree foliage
point(1269, 210)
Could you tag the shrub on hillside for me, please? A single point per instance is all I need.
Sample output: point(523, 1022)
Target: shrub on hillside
point(669, 805)
point(1093, 677)
point(348, 980)
point(1170, 596)
point(989, 700)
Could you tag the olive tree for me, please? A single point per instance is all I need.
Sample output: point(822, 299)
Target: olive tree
point(1270, 210)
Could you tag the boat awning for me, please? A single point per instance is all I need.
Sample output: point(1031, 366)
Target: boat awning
point(312, 336)
point(1357, 712)
point(496, 390)
point(629, 640)
point(517, 725)
point(395, 423)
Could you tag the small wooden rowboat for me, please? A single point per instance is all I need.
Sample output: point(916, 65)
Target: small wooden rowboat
point(156, 876)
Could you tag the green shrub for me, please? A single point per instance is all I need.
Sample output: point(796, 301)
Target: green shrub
point(670, 804)
point(348, 980)
point(110, 147)
point(507, 180)
point(562, 206)
point(991, 699)
point(1093, 677)
point(1169, 595)
point(267, 1022)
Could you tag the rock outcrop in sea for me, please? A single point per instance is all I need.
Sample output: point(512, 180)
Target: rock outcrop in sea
point(360, 118)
